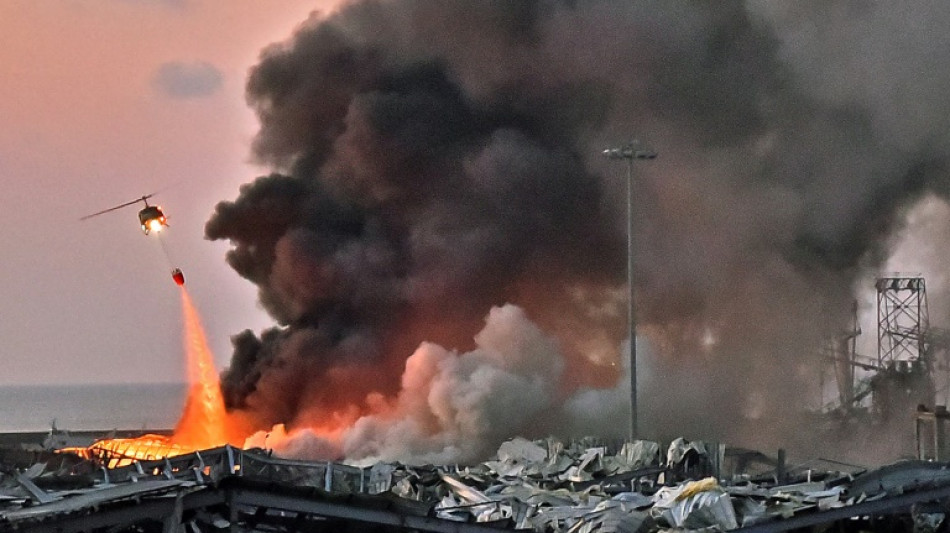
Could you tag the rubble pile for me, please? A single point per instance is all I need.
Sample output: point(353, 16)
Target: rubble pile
point(546, 486)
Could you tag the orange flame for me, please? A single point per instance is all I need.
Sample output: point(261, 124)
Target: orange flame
point(203, 422)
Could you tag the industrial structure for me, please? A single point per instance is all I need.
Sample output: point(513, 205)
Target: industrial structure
point(910, 354)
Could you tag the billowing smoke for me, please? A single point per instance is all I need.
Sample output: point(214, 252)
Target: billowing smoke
point(442, 244)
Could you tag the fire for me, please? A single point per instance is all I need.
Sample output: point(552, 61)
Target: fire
point(203, 423)
point(121, 452)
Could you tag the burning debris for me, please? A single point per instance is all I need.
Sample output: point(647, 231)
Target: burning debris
point(203, 423)
point(114, 453)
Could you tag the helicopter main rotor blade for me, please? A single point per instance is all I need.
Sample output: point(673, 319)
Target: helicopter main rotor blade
point(142, 199)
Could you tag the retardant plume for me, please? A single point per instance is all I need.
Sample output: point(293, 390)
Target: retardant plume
point(433, 160)
point(203, 423)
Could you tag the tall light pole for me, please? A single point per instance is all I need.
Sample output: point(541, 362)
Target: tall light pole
point(630, 152)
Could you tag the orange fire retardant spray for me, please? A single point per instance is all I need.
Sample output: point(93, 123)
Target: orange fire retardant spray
point(203, 422)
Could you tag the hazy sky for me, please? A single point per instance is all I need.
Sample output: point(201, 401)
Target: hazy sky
point(102, 102)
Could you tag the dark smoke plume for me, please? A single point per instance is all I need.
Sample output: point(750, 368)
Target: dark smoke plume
point(435, 160)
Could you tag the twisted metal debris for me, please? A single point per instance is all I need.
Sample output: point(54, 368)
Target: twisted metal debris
point(545, 486)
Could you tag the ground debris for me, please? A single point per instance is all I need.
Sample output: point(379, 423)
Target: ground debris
point(546, 486)
point(587, 486)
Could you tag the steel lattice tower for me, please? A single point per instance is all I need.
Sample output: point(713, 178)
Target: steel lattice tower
point(903, 381)
point(903, 320)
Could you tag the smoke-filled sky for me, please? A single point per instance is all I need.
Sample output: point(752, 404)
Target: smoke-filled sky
point(432, 162)
point(428, 223)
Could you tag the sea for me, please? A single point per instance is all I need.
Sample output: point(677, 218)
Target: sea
point(28, 408)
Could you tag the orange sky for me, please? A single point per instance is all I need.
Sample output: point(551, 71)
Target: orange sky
point(87, 122)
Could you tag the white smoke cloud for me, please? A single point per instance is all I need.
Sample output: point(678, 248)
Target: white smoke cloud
point(923, 246)
point(300, 444)
point(458, 407)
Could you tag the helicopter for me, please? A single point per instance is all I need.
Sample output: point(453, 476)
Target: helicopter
point(152, 218)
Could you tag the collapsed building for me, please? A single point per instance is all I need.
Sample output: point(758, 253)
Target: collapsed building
point(544, 486)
